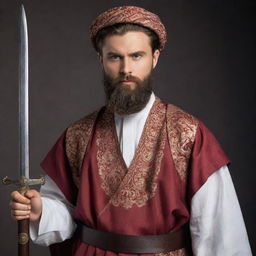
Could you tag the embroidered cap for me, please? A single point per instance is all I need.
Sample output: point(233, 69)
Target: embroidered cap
point(130, 14)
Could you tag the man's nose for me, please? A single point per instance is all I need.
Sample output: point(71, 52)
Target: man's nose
point(126, 67)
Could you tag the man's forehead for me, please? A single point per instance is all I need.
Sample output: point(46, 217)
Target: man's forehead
point(130, 42)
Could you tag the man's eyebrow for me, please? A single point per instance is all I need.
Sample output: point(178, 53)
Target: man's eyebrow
point(130, 54)
point(113, 53)
point(138, 52)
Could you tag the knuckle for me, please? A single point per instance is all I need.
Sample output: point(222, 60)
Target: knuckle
point(16, 196)
point(33, 191)
point(14, 205)
point(13, 194)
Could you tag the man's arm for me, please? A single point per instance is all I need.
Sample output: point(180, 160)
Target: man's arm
point(217, 225)
point(56, 222)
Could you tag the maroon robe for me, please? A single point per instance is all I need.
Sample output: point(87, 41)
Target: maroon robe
point(151, 196)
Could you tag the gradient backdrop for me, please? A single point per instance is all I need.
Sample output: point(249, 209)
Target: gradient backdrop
point(207, 68)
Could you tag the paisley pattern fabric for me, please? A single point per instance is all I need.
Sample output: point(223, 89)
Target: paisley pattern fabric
point(182, 128)
point(77, 137)
point(131, 186)
point(130, 14)
point(181, 252)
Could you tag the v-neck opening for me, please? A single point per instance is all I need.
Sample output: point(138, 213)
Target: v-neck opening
point(136, 184)
point(143, 134)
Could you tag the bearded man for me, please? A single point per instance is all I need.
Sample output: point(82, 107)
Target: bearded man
point(138, 176)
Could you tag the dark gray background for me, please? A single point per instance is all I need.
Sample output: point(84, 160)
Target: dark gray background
point(207, 68)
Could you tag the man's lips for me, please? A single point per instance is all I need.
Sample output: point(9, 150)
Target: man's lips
point(127, 81)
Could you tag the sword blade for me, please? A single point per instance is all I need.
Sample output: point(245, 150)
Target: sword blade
point(23, 97)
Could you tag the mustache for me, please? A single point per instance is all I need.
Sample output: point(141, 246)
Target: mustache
point(126, 78)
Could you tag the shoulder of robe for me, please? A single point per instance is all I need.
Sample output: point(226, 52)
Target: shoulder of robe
point(181, 129)
point(77, 138)
point(178, 117)
point(82, 127)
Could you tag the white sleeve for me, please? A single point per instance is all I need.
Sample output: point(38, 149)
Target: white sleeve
point(56, 223)
point(217, 226)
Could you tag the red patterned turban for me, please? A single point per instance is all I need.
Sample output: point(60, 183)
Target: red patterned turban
point(130, 14)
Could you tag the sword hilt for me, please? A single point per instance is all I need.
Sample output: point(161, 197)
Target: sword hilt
point(23, 183)
point(23, 225)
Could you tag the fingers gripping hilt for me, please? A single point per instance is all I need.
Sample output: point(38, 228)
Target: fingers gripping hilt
point(23, 225)
point(23, 183)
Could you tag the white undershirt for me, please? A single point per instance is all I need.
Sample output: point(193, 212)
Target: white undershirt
point(216, 223)
point(129, 129)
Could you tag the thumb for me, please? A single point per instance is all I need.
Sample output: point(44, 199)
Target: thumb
point(32, 194)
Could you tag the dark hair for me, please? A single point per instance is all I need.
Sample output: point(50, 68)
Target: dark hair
point(121, 29)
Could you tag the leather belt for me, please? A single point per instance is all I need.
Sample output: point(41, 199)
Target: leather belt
point(122, 243)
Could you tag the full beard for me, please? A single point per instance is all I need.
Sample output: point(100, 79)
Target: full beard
point(123, 100)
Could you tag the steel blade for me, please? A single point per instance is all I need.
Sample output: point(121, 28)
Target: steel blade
point(23, 97)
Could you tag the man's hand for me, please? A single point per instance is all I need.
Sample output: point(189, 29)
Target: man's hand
point(27, 206)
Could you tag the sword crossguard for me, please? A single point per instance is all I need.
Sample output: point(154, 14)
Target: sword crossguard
point(23, 183)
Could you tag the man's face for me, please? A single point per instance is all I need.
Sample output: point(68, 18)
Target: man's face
point(127, 62)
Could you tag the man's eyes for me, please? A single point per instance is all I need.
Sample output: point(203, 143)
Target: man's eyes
point(135, 56)
point(114, 57)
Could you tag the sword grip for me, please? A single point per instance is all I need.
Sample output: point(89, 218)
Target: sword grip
point(23, 237)
point(23, 227)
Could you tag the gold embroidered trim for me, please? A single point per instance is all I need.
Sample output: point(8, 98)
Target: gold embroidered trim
point(77, 138)
point(126, 187)
point(137, 187)
point(181, 252)
point(181, 128)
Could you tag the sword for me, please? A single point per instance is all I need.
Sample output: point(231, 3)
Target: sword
point(24, 181)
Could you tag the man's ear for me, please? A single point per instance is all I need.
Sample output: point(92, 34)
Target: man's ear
point(100, 58)
point(156, 55)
